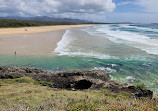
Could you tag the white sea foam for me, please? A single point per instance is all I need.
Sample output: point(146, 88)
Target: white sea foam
point(130, 79)
point(63, 45)
point(127, 79)
point(72, 45)
point(125, 36)
point(139, 28)
point(132, 39)
point(99, 68)
point(67, 47)
point(88, 54)
point(109, 70)
point(153, 50)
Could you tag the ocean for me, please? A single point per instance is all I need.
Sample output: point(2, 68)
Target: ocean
point(128, 52)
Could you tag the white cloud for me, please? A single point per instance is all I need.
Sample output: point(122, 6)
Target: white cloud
point(125, 3)
point(149, 5)
point(52, 7)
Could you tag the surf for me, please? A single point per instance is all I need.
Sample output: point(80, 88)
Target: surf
point(122, 35)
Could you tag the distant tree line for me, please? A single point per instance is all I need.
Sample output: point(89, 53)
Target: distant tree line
point(29, 23)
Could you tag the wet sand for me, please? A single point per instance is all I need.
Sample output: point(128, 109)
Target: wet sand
point(35, 44)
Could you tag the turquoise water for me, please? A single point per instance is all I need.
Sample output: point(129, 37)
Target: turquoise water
point(129, 53)
point(131, 70)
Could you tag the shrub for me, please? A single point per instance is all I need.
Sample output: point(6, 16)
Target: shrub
point(24, 80)
point(45, 83)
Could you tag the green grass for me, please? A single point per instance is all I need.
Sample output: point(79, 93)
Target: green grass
point(45, 83)
point(25, 94)
point(25, 80)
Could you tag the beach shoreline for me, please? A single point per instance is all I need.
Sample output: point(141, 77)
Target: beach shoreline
point(26, 41)
point(5, 32)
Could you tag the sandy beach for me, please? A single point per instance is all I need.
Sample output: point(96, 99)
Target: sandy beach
point(34, 30)
point(34, 41)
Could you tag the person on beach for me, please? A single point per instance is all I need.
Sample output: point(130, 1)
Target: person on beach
point(15, 53)
point(25, 29)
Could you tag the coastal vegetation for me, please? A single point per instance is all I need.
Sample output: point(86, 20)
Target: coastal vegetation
point(28, 23)
point(13, 23)
point(26, 94)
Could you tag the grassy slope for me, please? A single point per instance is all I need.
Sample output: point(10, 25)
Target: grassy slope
point(27, 94)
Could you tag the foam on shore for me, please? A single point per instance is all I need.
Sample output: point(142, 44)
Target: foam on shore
point(63, 44)
point(68, 46)
point(120, 34)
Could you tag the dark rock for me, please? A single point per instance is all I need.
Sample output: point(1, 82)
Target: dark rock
point(73, 79)
point(140, 92)
point(143, 93)
point(136, 92)
point(114, 86)
point(83, 84)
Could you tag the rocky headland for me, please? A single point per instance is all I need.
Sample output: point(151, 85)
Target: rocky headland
point(74, 80)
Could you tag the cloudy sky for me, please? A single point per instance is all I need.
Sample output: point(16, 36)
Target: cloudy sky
point(144, 11)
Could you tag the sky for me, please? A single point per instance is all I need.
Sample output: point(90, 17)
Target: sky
point(137, 11)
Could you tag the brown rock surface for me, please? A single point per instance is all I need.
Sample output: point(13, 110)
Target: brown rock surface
point(73, 79)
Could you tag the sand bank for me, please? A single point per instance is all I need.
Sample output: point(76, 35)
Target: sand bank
point(35, 44)
point(28, 43)
point(33, 30)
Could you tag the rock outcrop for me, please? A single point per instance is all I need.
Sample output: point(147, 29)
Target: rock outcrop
point(73, 79)
point(136, 92)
